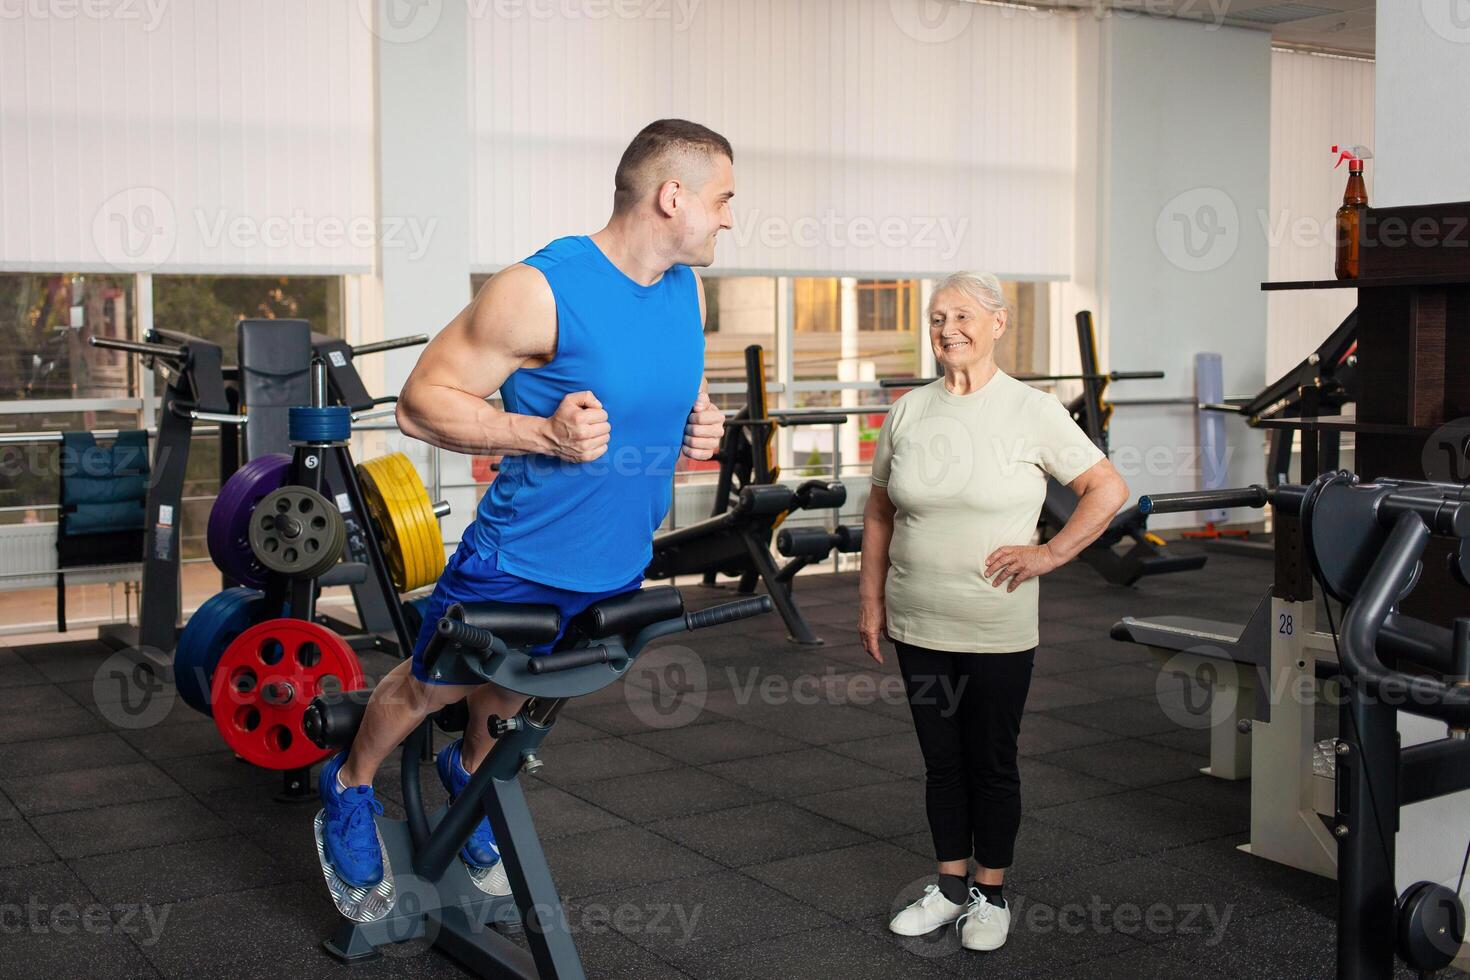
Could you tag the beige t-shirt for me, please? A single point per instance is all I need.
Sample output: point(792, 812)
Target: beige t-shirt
point(967, 474)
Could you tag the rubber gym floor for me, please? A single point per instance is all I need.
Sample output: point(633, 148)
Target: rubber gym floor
point(770, 836)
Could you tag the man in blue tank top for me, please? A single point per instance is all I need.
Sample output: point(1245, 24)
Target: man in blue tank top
point(596, 345)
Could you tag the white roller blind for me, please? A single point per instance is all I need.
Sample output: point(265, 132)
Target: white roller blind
point(209, 135)
point(871, 136)
point(1315, 102)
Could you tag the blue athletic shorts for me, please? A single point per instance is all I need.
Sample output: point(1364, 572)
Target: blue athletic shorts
point(468, 577)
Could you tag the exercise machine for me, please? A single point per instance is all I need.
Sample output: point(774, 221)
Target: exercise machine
point(1365, 545)
point(426, 890)
point(735, 540)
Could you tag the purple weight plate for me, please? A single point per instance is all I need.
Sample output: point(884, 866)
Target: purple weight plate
point(228, 535)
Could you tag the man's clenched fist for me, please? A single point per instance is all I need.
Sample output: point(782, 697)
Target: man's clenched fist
point(579, 431)
point(703, 430)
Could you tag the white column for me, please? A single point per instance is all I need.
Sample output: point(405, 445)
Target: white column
point(424, 170)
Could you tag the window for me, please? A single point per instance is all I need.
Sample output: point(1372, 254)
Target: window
point(46, 322)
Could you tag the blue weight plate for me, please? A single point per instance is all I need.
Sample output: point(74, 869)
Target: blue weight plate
point(211, 629)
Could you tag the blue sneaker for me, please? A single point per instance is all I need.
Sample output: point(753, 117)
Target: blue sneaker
point(480, 851)
point(349, 834)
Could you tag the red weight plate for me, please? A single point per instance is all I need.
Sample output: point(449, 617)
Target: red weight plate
point(266, 679)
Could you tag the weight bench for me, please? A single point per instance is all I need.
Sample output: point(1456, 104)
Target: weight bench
point(738, 542)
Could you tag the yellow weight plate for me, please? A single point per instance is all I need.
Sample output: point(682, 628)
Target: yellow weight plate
point(431, 540)
point(406, 488)
point(381, 496)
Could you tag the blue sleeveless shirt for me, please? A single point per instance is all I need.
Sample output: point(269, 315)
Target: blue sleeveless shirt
point(640, 351)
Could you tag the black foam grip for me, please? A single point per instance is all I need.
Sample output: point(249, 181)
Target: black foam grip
point(728, 612)
point(455, 631)
point(567, 659)
point(332, 722)
point(849, 539)
point(763, 499)
point(820, 495)
point(806, 542)
point(1174, 503)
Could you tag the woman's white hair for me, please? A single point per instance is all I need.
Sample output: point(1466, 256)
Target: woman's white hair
point(982, 287)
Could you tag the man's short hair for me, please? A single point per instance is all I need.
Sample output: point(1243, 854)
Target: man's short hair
point(656, 142)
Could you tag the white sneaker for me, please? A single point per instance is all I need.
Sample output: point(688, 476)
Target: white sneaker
point(983, 926)
point(928, 913)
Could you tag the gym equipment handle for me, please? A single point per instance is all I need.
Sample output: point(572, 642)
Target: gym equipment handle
point(381, 345)
point(1254, 495)
point(456, 631)
point(139, 347)
point(728, 612)
point(567, 659)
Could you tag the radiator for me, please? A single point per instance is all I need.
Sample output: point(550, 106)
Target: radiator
point(28, 560)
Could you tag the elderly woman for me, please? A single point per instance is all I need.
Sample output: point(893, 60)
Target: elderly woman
point(950, 576)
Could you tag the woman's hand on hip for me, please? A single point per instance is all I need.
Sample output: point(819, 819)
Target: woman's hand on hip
point(1015, 564)
point(873, 627)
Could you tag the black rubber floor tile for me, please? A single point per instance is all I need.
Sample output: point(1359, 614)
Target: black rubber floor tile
point(221, 771)
point(1195, 741)
point(20, 674)
point(607, 953)
point(1222, 858)
point(579, 762)
point(1043, 733)
point(812, 715)
point(882, 810)
point(800, 773)
point(1128, 717)
point(1133, 763)
point(1115, 651)
point(66, 943)
point(644, 797)
point(560, 814)
point(1058, 661)
point(1223, 797)
point(757, 834)
point(174, 872)
point(850, 882)
point(1149, 963)
point(59, 754)
point(1152, 901)
point(1293, 943)
point(692, 918)
point(1119, 680)
point(720, 741)
point(898, 753)
point(1141, 821)
point(620, 857)
point(843, 952)
point(639, 711)
point(168, 742)
point(1045, 785)
point(107, 829)
point(1051, 694)
point(43, 711)
point(79, 789)
point(43, 884)
point(19, 845)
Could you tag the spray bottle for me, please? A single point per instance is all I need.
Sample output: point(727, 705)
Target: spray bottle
point(1354, 203)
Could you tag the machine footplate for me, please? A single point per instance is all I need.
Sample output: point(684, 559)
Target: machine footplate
point(356, 903)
